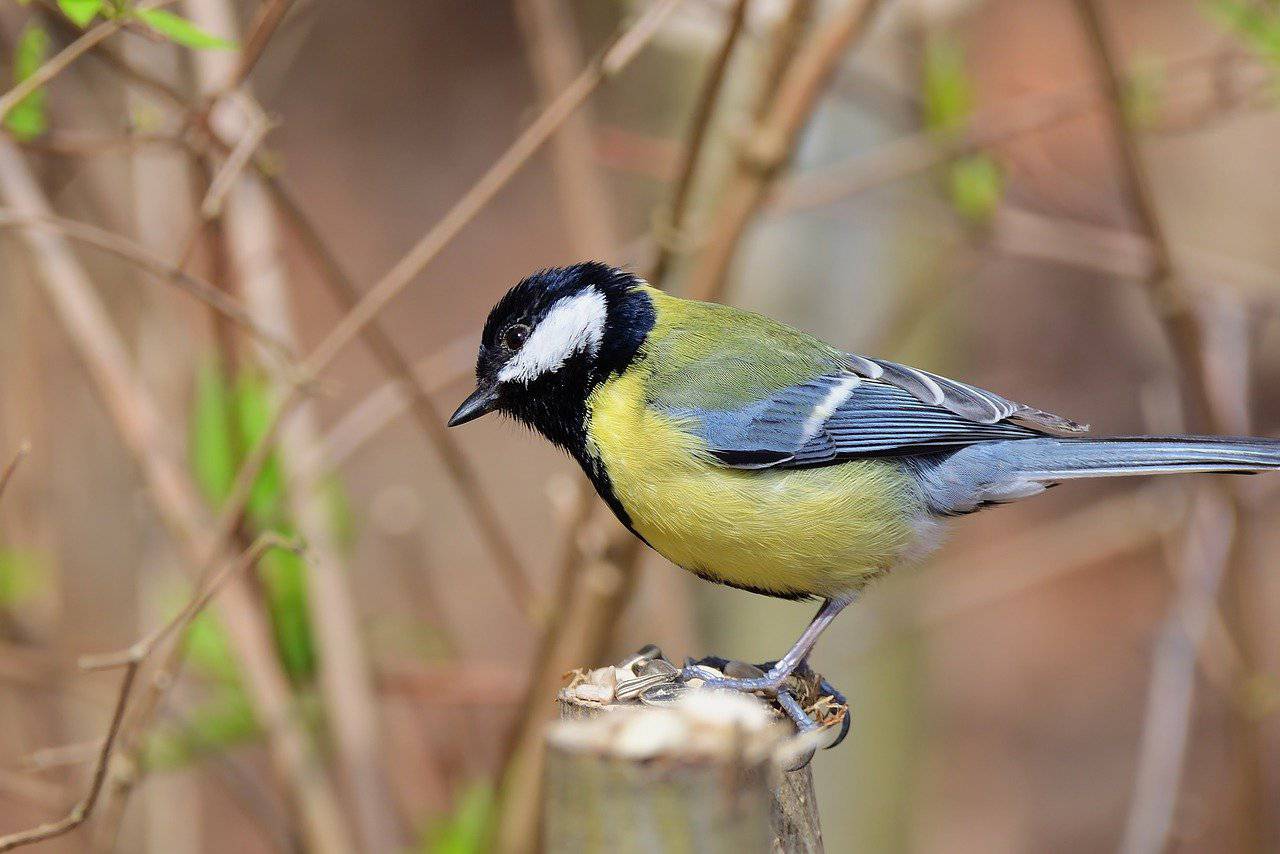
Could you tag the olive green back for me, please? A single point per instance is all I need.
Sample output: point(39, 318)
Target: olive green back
point(709, 356)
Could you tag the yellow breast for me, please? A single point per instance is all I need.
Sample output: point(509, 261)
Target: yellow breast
point(818, 531)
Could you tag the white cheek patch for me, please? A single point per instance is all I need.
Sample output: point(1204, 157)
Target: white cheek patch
point(573, 325)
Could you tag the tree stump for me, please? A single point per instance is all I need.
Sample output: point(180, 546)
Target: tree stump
point(698, 774)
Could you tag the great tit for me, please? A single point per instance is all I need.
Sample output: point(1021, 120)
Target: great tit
point(756, 456)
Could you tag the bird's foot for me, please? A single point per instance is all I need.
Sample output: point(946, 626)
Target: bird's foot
point(809, 700)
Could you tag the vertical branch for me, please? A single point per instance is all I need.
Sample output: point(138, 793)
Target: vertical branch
point(174, 496)
point(592, 589)
point(250, 230)
point(770, 144)
point(23, 450)
point(617, 55)
point(670, 229)
point(551, 44)
point(1151, 810)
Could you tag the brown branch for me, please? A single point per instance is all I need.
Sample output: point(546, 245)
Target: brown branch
point(59, 63)
point(241, 154)
point(771, 143)
point(591, 589)
point(132, 659)
point(174, 496)
point(140, 650)
point(67, 145)
point(429, 419)
point(136, 253)
point(81, 811)
point(551, 45)
point(447, 366)
point(264, 26)
point(23, 450)
point(1176, 314)
point(1151, 810)
point(620, 51)
point(914, 153)
point(250, 236)
point(670, 231)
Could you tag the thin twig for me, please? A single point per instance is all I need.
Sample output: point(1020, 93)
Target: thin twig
point(417, 398)
point(131, 659)
point(551, 45)
point(770, 144)
point(59, 63)
point(1151, 809)
point(23, 450)
point(670, 231)
point(142, 648)
point(259, 126)
point(1207, 551)
point(621, 50)
point(136, 253)
point(264, 26)
point(250, 235)
point(914, 153)
point(81, 811)
point(137, 419)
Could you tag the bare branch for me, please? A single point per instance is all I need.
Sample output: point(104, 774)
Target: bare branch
point(261, 30)
point(23, 450)
point(59, 63)
point(141, 649)
point(81, 811)
point(175, 498)
point(131, 659)
point(621, 50)
point(1151, 809)
point(64, 58)
point(136, 253)
point(670, 231)
point(241, 154)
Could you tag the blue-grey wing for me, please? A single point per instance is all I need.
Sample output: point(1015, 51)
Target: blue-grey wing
point(873, 408)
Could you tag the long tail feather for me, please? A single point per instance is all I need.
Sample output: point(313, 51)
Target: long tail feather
point(1064, 459)
point(997, 472)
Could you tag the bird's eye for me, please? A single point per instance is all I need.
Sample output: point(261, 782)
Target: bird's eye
point(515, 336)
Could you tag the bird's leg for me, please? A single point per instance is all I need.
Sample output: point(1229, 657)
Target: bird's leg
point(783, 667)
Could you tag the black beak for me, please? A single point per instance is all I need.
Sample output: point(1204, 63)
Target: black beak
point(479, 402)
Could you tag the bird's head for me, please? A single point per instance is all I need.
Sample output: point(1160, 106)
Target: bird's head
point(551, 340)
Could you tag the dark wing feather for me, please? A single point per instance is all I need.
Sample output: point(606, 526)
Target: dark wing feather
point(876, 408)
point(968, 401)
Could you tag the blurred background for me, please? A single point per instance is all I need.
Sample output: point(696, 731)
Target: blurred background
point(1071, 202)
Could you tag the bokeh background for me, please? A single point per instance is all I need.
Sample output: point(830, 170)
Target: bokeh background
point(1072, 202)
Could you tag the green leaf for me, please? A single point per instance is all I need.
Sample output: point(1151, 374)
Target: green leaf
point(1144, 93)
point(23, 574)
point(1257, 24)
point(223, 721)
point(81, 12)
point(976, 186)
point(284, 576)
point(180, 30)
point(27, 118)
point(209, 650)
point(213, 445)
point(254, 414)
point(469, 829)
point(948, 95)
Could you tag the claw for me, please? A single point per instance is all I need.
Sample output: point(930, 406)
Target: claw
point(833, 692)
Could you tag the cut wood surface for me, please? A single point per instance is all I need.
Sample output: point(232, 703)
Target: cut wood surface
point(700, 775)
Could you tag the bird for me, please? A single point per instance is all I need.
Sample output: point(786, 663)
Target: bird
point(757, 456)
